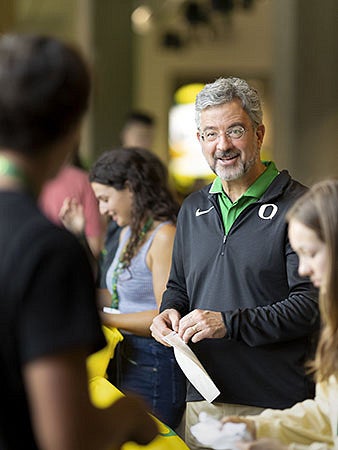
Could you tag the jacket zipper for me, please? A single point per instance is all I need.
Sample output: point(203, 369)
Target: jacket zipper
point(223, 245)
point(216, 206)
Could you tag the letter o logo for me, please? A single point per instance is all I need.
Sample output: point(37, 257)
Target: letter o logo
point(267, 211)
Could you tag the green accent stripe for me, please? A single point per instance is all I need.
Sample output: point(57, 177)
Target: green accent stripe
point(169, 433)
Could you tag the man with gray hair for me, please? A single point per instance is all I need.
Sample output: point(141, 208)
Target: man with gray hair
point(234, 293)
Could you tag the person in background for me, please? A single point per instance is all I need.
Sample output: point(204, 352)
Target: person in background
point(138, 130)
point(130, 187)
point(68, 195)
point(234, 293)
point(312, 424)
point(49, 319)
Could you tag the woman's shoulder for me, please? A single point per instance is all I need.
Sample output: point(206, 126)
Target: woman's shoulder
point(163, 232)
point(164, 228)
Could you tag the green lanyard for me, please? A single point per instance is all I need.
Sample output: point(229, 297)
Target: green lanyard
point(8, 168)
point(121, 265)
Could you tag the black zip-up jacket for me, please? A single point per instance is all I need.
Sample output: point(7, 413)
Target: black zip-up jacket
point(251, 276)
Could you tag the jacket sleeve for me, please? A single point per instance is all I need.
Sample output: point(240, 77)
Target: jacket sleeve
point(304, 426)
point(291, 318)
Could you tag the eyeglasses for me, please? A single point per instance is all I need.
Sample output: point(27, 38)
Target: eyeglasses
point(235, 132)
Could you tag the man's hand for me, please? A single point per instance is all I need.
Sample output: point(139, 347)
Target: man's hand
point(165, 323)
point(200, 324)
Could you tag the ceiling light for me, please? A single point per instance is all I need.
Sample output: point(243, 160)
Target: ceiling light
point(141, 19)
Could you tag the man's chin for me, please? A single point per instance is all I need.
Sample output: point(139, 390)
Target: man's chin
point(229, 175)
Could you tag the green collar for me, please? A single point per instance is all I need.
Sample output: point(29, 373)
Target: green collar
point(231, 210)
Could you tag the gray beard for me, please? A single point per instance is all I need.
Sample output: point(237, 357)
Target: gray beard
point(234, 173)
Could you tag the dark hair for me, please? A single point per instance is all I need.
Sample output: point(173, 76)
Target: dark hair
point(44, 91)
point(146, 176)
point(139, 117)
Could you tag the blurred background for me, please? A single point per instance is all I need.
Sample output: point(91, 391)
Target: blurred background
point(155, 55)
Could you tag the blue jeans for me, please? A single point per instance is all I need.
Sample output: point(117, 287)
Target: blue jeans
point(149, 369)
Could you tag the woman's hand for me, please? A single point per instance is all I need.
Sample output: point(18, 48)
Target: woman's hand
point(72, 216)
point(261, 444)
point(250, 424)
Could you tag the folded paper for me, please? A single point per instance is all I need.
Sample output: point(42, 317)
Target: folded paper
point(192, 367)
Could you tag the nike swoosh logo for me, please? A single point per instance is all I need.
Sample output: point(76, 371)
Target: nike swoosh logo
point(200, 213)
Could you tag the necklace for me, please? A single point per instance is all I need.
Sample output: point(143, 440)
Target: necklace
point(9, 169)
point(121, 265)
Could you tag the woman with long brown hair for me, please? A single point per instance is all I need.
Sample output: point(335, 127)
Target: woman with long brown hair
point(131, 187)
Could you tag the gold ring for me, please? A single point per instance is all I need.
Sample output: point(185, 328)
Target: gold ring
point(195, 328)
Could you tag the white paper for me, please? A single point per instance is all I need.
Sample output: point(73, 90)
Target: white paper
point(218, 436)
point(108, 310)
point(192, 367)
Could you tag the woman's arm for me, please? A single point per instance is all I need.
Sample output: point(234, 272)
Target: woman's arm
point(159, 259)
point(137, 323)
point(303, 424)
point(103, 298)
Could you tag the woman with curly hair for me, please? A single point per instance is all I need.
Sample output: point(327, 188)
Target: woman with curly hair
point(131, 187)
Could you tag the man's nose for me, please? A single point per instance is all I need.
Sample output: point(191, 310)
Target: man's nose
point(224, 142)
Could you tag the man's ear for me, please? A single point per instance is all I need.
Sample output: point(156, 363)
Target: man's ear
point(260, 132)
